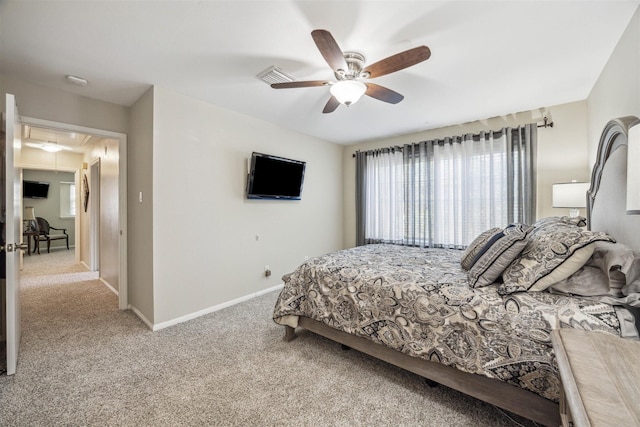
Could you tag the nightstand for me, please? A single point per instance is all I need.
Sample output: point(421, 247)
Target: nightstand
point(600, 378)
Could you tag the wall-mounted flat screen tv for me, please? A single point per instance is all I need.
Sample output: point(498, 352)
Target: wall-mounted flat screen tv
point(35, 189)
point(273, 177)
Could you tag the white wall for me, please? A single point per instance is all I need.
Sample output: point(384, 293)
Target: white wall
point(617, 91)
point(50, 104)
point(140, 213)
point(562, 153)
point(205, 250)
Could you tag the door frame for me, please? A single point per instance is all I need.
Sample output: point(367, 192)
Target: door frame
point(94, 215)
point(123, 292)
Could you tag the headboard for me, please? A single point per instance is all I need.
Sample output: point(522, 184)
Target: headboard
point(607, 196)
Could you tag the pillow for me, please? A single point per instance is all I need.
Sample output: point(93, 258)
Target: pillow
point(613, 269)
point(587, 281)
point(578, 221)
point(553, 253)
point(469, 255)
point(615, 260)
point(497, 254)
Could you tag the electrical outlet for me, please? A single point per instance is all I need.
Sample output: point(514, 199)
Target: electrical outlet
point(267, 271)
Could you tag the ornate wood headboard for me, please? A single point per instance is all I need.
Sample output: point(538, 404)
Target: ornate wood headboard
point(607, 196)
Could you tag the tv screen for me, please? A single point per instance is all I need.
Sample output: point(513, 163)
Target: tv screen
point(35, 189)
point(272, 177)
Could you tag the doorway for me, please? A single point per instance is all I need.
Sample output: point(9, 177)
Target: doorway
point(48, 196)
point(100, 240)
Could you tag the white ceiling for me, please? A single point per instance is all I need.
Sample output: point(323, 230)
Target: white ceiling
point(489, 58)
point(39, 137)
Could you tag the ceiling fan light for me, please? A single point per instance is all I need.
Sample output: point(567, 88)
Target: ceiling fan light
point(348, 92)
point(51, 148)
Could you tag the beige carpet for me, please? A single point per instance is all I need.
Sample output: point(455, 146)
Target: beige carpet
point(55, 268)
point(83, 362)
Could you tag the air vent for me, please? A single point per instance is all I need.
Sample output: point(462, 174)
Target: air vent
point(275, 75)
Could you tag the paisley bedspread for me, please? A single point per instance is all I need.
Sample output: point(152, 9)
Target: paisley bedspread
point(418, 301)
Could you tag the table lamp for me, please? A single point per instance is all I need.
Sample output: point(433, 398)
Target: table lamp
point(572, 195)
point(29, 219)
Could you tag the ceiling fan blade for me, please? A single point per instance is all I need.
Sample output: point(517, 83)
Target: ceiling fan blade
point(308, 83)
point(331, 106)
point(398, 61)
point(329, 49)
point(383, 94)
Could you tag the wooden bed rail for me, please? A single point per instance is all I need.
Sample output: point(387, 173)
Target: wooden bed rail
point(492, 391)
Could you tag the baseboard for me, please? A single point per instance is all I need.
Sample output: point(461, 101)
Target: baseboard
point(157, 327)
point(269, 290)
point(57, 248)
point(85, 265)
point(141, 316)
point(111, 288)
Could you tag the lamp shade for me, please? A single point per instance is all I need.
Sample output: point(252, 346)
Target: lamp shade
point(570, 195)
point(633, 170)
point(29, 214)
point(348, 92)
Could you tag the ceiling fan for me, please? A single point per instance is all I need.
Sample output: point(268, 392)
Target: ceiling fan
point(350, 70)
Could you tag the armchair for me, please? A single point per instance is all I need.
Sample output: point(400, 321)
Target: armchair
point(46, 234)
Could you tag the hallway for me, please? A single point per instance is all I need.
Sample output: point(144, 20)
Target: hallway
point(47, 270)
point(55, 268)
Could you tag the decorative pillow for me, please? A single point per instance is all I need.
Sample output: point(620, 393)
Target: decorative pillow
point(553, 253)
point(497, 254)
point(578, 221)
point(470, 254)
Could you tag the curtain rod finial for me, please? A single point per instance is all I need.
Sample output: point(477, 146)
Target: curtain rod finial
point(546, 123)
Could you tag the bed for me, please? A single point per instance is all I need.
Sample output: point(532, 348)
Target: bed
point(480, 321)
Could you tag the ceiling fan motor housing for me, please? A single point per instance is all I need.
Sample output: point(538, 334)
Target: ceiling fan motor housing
point(355, 64)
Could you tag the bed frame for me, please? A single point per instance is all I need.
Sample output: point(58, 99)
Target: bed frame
point(606, 213)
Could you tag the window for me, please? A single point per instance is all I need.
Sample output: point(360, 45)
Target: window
point(444, 193)
point(67, 200)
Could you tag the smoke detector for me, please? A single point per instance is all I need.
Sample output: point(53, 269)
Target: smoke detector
point(79, 81)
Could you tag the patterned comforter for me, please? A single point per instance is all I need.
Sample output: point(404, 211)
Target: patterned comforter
point(418, 301)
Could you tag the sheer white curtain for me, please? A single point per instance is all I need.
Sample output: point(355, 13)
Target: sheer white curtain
point(385, 196)
point(443, 193)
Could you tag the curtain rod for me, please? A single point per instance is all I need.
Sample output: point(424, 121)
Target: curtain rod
point(546, 123)
point(386, 148)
